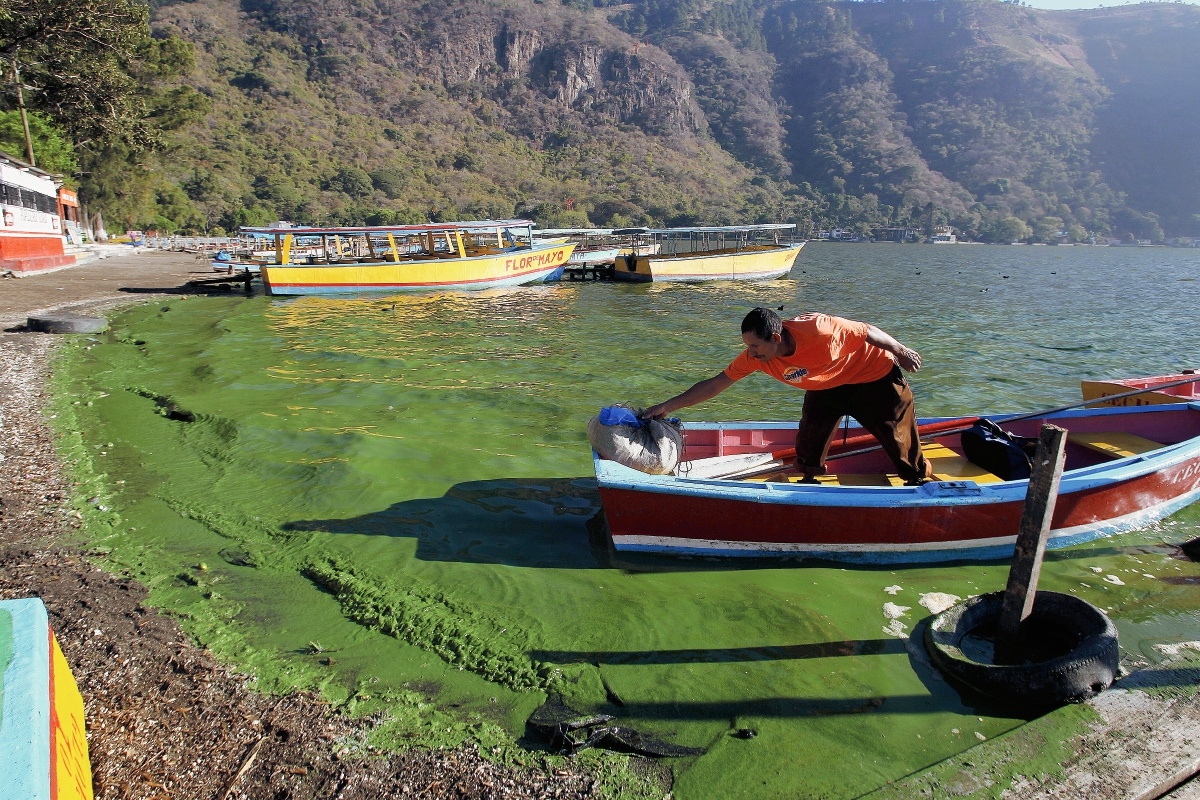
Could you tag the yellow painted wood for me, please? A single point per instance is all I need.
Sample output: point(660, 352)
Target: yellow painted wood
point(462, 253)
point(447, 270)
point(287, 249)
point(395, 250)
point(73, 768)
point(721, 265)
point(1098, 390)
point(950, 466)
point(278, 249)
point(947, 466)
point(1114, 443)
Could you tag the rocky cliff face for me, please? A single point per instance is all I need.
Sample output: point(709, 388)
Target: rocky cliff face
point(540, 56)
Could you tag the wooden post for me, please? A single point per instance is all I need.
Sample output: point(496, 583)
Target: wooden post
point(1031, 539)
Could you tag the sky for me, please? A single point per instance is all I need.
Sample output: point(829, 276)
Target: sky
point(1060, 5)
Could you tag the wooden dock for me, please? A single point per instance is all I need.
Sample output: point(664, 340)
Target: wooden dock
point(587, 273)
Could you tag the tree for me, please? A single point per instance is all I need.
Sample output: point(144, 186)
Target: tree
point(79, 61)
point(1005, 230)
point(54, 152)
point(353, 181)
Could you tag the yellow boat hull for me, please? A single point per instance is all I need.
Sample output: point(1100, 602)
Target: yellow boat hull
point(491, 271)
point(748, 265)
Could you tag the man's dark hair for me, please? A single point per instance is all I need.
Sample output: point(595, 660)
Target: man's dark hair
point(763, 323)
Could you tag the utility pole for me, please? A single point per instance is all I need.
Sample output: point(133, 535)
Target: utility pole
point(24, 116)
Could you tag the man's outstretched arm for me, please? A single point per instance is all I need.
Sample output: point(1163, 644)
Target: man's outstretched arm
point(704, 390)
point(906, 357)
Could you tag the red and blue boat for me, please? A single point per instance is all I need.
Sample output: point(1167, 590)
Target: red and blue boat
point(1125, 468)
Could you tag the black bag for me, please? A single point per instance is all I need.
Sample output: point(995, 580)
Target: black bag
point(1008, 457)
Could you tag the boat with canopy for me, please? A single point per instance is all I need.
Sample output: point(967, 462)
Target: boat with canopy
point(483, 254)
point(722, 253)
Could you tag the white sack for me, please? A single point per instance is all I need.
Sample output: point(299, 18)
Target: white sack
point(653, 448)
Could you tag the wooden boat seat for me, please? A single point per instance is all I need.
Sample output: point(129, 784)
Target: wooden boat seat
point(950, 466)
point(1114, 444)
point(947, 466)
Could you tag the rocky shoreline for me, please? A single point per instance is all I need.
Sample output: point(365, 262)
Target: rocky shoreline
point(165, 719)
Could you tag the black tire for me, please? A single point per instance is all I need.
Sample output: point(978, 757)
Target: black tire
point(1087, 668)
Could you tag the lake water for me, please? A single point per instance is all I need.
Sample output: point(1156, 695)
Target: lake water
point(423, 458)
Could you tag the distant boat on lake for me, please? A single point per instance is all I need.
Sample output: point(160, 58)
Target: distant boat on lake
point(724, 253)
point(484, 254)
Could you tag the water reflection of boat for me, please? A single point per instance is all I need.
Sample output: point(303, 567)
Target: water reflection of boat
point(1126, 468)
point(485, 254)
point(1097, 390)
point(726, 253)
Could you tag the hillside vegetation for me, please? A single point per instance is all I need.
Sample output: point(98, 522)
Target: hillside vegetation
point(1006, 121)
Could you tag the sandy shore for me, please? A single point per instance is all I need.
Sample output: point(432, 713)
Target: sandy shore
point(165, 719)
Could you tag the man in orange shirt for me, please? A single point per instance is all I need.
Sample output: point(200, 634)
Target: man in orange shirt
point(846, 367)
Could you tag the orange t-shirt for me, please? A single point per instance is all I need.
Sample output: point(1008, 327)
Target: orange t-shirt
point(830, 351)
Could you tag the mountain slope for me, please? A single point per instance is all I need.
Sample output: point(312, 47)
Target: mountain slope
point(476, 112)
point(678, 111)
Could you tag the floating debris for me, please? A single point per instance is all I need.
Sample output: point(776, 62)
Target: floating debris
point(568, 732)
point(937, 602)
point(893, 611)
point(1114, 580)
point(892, 590)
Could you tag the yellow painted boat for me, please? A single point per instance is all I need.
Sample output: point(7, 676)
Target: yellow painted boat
point(726, 253)
point(1099, 390)
point(484, 254)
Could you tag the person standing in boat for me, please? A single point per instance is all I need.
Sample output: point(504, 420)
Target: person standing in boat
point(845, 367)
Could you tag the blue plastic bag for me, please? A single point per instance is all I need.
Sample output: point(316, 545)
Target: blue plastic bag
point(619, 415)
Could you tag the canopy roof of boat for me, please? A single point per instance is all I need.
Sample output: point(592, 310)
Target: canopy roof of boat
point(473, 225)
point(575, 231)
point(774, 226)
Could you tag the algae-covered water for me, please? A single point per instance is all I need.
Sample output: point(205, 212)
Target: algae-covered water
point(389, 499)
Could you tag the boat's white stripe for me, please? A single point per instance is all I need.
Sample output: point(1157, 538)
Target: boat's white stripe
point(1060, 537)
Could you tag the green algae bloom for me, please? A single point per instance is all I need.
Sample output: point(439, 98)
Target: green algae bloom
point(407, 483)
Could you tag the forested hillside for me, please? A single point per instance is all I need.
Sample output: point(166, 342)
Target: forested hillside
point(1006, 121)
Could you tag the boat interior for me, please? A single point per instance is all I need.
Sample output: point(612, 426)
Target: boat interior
point(1092, 439)
point(1187, 390)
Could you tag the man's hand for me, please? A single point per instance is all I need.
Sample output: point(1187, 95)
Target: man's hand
point(656, 412)
point(908, 359)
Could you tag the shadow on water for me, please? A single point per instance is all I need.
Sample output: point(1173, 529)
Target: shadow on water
point(553, 523)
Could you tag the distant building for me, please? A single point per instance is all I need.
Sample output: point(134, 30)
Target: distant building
point(943, 234)
point(895, 234)
point(31, 238)
point(68, 212)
